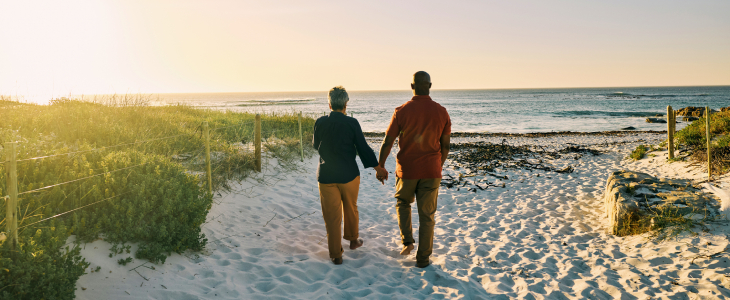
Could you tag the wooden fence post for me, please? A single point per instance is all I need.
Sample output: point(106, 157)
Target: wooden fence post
point(670, 131)
point(674, 125)
point(11, 216)
point(301, 137)
point(206, 131)
point(257, 142)
point(674, 128)
point(709, 150)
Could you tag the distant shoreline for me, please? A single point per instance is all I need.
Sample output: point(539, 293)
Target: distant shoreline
point(536, 134)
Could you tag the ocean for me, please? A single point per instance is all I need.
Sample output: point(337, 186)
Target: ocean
point(494, 110)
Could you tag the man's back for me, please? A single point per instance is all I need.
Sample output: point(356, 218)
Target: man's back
point(419, 124)
point(424, 129)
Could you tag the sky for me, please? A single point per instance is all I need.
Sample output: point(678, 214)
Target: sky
point(55, 48)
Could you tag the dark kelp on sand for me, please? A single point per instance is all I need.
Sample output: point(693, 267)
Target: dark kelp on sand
point(484, 158)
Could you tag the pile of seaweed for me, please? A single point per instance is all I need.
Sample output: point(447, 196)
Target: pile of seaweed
point(484, 158)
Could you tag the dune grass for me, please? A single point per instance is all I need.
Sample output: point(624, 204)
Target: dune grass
point(694, 137)
point(153, 193)
point(663, 222)
point(639, 152)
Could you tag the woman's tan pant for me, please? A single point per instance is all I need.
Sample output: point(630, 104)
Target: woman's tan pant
point(340, 199)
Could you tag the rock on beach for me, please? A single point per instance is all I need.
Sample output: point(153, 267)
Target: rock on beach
point(692, 111)
point(634, 193)
point(655, 120)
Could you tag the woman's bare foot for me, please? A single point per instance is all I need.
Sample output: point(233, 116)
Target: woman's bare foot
point(406, 250)
point(356, 244)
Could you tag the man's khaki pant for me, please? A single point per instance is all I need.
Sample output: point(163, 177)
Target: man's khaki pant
point(340, 199)
point(425, 192)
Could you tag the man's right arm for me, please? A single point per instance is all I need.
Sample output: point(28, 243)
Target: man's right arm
point(384, 152)
point(391, 133)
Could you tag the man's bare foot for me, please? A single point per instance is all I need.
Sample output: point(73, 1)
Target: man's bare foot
point(356, 244)
point(406, 250)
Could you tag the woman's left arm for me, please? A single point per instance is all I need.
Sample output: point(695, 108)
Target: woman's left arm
point(367, 156)
point(315, 136)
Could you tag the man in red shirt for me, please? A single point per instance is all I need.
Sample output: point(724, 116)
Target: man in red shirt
point(423, 128)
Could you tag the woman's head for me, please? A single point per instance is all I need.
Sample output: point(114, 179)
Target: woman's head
point(338, 98)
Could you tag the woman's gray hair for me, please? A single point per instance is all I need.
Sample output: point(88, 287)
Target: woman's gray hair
point(338, 97)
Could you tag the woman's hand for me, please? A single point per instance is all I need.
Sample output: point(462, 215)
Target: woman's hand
point(381, 174)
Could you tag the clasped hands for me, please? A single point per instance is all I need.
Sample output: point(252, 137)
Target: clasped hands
point(381, 174)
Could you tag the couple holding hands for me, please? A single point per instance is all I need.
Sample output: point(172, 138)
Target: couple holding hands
point(423, 128)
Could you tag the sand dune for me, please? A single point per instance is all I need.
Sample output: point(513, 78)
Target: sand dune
point(539, 237)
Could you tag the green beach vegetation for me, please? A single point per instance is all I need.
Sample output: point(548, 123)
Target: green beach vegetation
point(135, 173)
point(663, 222)
point(694, 137)
point(667, 221)
point(639, 152)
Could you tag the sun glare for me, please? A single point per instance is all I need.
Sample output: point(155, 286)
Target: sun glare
point(57, 48)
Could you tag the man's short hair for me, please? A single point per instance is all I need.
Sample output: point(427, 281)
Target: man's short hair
point(421, 78)
point(338, 97)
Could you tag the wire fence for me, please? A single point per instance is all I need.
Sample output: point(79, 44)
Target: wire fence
point(77, 180)
point(100, 149)
point(250, 141)
point(70, 211)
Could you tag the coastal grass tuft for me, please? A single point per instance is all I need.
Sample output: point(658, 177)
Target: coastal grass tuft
point(663, 222)
point(668, 221)
point(142, 186)
point(639, 152)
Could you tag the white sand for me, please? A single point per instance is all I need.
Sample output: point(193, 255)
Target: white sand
point(537, 238)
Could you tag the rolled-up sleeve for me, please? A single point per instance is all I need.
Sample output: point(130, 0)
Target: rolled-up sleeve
point(367, 155)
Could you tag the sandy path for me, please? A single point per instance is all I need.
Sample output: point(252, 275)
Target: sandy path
point(537, 238)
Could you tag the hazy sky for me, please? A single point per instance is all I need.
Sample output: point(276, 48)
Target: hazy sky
point(61, 47)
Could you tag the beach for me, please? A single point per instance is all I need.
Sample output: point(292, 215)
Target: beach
point(153, 150)
point(525, 235)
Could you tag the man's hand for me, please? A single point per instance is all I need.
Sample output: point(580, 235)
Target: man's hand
point(384, 152)
point(381, 174)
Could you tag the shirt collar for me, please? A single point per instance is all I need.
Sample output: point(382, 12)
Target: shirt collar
point(424, 97)
point(336, 113)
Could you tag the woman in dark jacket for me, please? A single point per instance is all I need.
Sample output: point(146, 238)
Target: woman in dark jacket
point(338, 139)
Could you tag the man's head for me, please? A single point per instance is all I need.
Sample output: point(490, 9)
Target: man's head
point(338, 98)
point(421, 83)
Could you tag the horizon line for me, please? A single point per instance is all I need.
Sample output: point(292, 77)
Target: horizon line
point(57, 95)
point(448, 89)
